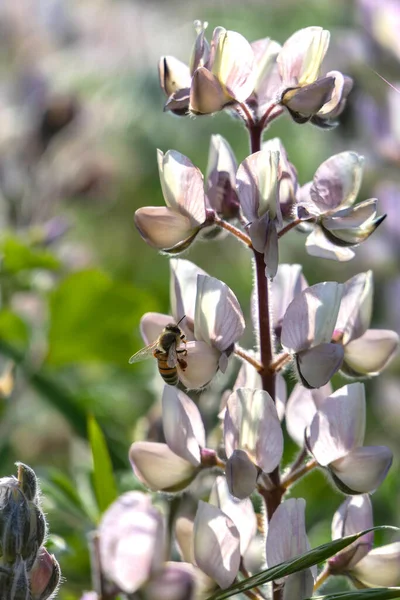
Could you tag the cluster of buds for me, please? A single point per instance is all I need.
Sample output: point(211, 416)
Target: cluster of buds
point(27, 570)
point(314, 331)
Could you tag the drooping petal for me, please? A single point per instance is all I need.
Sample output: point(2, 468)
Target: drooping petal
point(201, 365)
point(286, 536)
point(271, 251)
point(317, 365)
point(207, 95)
point(152, 324)
point(318, 245)
point(311, 316)
point(174, 74)
point(233, 63)
point(307, 101)
point(302, 54)
point(201, 47)
point(241, 474)
point(252, 424)
point(241, 512)
point(380, 568)
point(372, 352)
point(182, 185)
point(339, 425)
point(258, 189)
point(218, 317)
point(363, 469)
point(301, 407)
point(221, 177)
point(352, 217)
point(354, 515)
point(131, 541)
point(159, 468)
point(176, 581)
point(356, 306)
point(164, 228)
point(182, 425)
point(183, 286)
point(216, 544)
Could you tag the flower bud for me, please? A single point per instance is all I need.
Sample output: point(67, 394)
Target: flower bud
point(44, 576)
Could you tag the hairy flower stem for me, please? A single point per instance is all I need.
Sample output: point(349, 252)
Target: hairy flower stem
point(271, 497)
point(233, 230)
point(322, 577)
point(290, 226)
point(250, 359)
point(296, 475)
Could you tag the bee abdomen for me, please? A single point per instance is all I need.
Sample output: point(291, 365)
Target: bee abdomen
point(169, 374)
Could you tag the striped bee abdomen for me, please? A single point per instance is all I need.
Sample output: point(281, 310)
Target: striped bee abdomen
point(169, 374)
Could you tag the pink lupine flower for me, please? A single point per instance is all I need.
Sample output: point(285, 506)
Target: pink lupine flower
point(366, 567)
point(174, 227)
point(336, 436)
point(253, 439)
point(286, 539)
point(219, 76)
point(329, 200)
point(44, 576)
point(221, 178)
point(366, 351)
point(216, 544)
point(306, 95)
point(307, 330)
point(258, 191)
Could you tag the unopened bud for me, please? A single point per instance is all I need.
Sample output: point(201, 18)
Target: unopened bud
point(14, 522)
point(44, 576)
point(17, 586)
point(28, 481)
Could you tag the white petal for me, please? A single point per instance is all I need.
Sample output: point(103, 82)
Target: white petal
point(221, 159)
point(354, 515)
point(337, 181)
point(234, 63)
point(162, 227)
point(363, 469)
point(207, 94)
point(339, 425)
point(258, 190)
point(218, 317)
point(183, 286)
point(174, 74)
point(252, 424)
point(301, 408)
point(131, 541)
point(159, 468)
point(302, 54)
point(152, 324)
point(318, 365)
point(380, 568)
point(216, 544)
point(310, 318)
point(286, 536)
point(369, 354)
point(175, 581)
point(182, 424)
point(299, 585)
point(280, 395)
point(356, 306)
point(241, 474)
point(318, 245)
point(288, 282)
point(182, 185)
point(201, 365)
point(241, 512)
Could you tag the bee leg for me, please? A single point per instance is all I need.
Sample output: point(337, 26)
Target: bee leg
point(182, 363)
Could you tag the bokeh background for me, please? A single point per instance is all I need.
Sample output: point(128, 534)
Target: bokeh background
point(81, 117)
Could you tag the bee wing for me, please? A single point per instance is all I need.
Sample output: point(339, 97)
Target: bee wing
point(172, 356)
point(144, 353)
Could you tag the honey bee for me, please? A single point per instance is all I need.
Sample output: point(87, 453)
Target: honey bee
point(166, 350)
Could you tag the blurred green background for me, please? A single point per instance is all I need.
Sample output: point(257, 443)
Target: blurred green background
point(81, 117)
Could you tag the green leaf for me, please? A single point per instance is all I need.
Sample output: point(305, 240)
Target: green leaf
point(104, 482)
point(95, 319)
point(310, 558)
point(12, 327)
point(368, 594)
point(18, 256)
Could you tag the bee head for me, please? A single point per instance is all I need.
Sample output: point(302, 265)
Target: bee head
point(172, 328)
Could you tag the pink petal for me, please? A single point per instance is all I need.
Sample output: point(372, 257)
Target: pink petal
point(164, 228)
point(286, 536)
point(311, 316)
point(241, 512)
point(216, 544)
point(356, 306)
point(182, 186)
point(131, 538)
point(337, 181)
point(182, 425)
point(363, 469)
point(201, 365)
point(152, 324)
point(207, 95)
point(159, 468)
point(301, 407)
point(219, 320)
point(318, 245)
point(372, 352)
point(318, 365)
point(354, 515)
point(339, 425)
point(380, 568)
